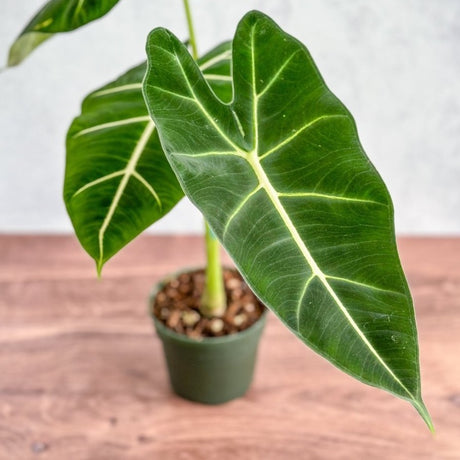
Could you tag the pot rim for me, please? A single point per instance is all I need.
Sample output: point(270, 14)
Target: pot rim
point(182, 337)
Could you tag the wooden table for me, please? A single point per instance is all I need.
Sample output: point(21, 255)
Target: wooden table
point(82, 375)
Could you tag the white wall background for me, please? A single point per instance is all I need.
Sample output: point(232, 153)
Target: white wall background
point(394, 63)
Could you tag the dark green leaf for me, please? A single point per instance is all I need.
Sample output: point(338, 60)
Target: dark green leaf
point(56, 16)
point(284, 183)
point(117, 180)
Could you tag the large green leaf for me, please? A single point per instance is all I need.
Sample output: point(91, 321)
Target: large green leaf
point(117, 179)
point(56, 16)
point(286, 186)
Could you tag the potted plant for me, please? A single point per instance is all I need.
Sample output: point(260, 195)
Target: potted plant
point(253, 136)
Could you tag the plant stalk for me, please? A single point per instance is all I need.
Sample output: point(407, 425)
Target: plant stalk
point(191, 31)
point(213, 300)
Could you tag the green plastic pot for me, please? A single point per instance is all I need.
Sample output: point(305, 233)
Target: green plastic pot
point(212, 370)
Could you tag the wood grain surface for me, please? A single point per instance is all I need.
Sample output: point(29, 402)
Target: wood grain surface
point(82, 376)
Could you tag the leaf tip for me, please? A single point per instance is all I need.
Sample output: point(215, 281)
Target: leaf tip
point(12, 60)
point(423, 411)
point(99, 265)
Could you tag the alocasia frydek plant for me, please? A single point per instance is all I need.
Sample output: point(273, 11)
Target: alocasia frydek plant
point(253, 136)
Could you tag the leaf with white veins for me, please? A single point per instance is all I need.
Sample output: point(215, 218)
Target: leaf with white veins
point(54, 17)
point(118, 181)
point(281, 177)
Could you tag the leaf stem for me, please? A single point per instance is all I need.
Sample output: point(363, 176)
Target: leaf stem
point(191, 31)
point(213, 300)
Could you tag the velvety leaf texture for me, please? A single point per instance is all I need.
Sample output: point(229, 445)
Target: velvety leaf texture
point(117, 180)
point(281, 177)
point(56, 16)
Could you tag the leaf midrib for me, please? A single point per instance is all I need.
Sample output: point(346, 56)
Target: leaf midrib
point(128, 172)
point(265, 184)
point(254, 160)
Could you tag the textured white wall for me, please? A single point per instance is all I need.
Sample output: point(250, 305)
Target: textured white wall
point(395, 64)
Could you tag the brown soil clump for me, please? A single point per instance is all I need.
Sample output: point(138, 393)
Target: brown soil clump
point(177, 306)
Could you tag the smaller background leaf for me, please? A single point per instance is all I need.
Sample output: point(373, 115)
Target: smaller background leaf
point(55, 17)
point(118, 181)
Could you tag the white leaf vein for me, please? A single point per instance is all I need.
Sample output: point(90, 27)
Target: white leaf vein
point(128, 172)
point(98, 181)
point(112, 124)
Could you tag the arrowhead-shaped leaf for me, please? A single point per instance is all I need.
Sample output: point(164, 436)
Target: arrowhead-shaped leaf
point(282, 179)
point(118, 181)
point(56, 16)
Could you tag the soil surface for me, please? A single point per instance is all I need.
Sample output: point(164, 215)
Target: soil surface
point(177, 306)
